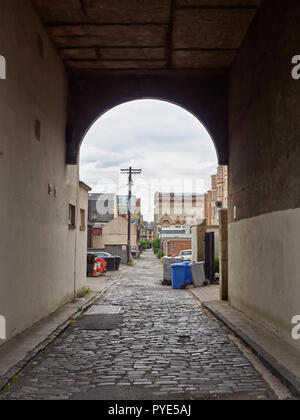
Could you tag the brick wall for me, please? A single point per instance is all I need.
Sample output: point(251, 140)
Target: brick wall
point(173, 248)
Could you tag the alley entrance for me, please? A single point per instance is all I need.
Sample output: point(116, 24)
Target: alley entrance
point(142, 341)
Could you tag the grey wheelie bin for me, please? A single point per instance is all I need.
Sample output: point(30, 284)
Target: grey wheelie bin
point(168, 261)
point(198, 274)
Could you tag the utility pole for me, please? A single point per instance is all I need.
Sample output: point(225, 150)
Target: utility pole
point(130, 172)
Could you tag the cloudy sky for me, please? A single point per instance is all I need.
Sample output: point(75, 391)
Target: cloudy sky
point(169, 144)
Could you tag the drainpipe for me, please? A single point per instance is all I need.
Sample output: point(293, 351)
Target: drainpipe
point(76, 223)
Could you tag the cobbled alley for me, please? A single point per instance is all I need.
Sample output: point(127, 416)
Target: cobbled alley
point(142, 340)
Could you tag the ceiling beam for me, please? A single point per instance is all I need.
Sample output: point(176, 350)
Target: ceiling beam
point(210, 7)
point(87, 23)
point(169, 40)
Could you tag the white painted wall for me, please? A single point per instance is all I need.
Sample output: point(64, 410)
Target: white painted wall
point(37, 249)
point(264, 267)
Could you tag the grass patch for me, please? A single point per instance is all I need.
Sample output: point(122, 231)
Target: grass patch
point(82, 293)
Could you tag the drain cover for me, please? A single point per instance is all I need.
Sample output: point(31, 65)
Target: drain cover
point(104, 310)
point(100, 321)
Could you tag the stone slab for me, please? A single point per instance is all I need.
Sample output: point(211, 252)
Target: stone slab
point(282, 359)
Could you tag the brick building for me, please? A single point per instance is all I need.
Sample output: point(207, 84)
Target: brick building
point(147, 231)
point(135, 208)
point(174, 240)
point(217, 197)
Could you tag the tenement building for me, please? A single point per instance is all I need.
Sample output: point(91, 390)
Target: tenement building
point(178, 210)
point(216, 198)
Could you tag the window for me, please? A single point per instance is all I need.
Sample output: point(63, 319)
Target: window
point(72, 214)
point(219, 204)
point(82, 219)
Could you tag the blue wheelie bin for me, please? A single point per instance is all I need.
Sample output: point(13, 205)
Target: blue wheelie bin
point(178, 275)
point(181, 275)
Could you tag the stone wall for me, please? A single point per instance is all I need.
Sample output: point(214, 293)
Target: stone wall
point(264, 106)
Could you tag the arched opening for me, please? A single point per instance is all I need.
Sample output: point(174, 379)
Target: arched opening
point(114, 107)
point(178, 158)
point(180, 145)
point(203, 96)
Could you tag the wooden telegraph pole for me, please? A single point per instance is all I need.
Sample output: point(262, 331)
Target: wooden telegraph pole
point(130, 171)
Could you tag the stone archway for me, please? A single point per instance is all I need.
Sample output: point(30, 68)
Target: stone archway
point(92, 95)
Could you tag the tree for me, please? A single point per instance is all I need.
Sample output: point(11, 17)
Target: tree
point(145, 244)
point(156, 245)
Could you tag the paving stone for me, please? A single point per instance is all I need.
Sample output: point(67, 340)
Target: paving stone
point(165, 344)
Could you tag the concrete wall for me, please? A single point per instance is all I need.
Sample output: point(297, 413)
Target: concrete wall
point(264, 106)
point(37, 248)
point(115, 250)
point(198, 241)
point(223, 254)
point(116, 233)
point(81, 239)
point(264, 268)
point(119, 250)
point(216, 231)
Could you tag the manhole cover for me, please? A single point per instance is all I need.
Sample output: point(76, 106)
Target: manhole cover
point(104, 310)
point(101, 321)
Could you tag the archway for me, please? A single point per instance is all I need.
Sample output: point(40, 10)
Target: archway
point(204, 96)
point(106, 123)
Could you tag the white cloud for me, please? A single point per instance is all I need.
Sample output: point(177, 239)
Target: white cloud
point(166, 141)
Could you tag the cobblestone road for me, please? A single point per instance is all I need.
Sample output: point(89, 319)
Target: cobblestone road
point(162, 345)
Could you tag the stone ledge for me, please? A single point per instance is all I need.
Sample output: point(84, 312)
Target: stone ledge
point(16, 369)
